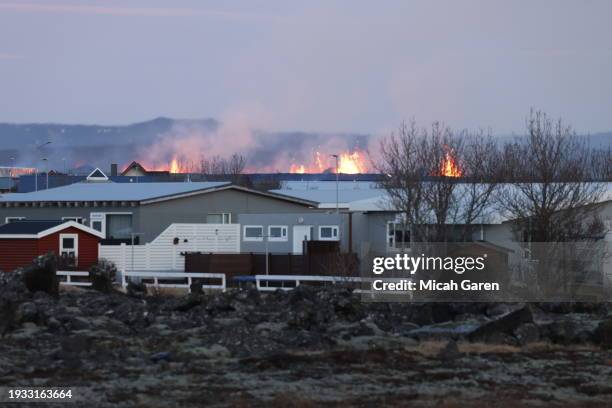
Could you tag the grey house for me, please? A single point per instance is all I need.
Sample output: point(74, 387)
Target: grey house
point(284, 233)
point(146, 209)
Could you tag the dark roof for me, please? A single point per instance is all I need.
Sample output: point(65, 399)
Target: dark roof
point(134, 165)
point(28, 227)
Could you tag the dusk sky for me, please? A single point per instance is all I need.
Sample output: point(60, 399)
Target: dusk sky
point(337, 66)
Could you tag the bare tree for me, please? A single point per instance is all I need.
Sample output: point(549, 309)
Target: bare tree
point(602, 164)
point(482, 171)
point(551, 201)
point(402, 165)
point(552, 190)
point(440, 181)
point(226, 169)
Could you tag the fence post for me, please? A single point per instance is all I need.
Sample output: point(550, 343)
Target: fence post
point(123, 255)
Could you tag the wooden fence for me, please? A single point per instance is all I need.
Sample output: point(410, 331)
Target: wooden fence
point(322, 264)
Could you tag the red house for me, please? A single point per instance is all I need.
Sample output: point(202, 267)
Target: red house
point(22, 241)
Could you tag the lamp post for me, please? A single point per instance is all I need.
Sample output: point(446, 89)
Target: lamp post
point(11, 173)
point(46, 160)
point(337, 183)
point(36, 168)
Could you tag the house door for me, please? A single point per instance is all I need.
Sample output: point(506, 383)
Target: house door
point(301, 233)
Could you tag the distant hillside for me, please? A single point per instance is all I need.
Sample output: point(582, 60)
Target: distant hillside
point(18, 136)
point(86, 146)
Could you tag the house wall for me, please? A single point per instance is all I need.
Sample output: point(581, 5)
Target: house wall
point(290, 220)
point(150, 220)
point(156, 217)
point(15, 253)
point(87, 246)
point(56, 213)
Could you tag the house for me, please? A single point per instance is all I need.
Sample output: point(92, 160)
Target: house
point(6, 184)
point(286, 233)
point(136, 169)
point(122, 211)
point(22, 241)
point(376, 228)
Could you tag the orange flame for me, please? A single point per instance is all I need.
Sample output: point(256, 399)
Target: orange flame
point(351, 163)
point(299, 169)
point(174, 166)
point(449, 167)
point(348, 163)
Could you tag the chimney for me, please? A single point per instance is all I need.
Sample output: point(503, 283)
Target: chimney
point(113, 169)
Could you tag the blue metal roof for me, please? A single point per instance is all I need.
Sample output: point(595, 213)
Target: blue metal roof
point(109, 191)
point(28, 226)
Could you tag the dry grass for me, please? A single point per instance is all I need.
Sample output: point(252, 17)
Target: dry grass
point(432, 348)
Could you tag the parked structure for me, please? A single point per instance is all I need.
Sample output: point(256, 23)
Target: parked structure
point(21, 241)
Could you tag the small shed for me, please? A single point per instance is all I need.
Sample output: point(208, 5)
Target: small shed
point(75, 244)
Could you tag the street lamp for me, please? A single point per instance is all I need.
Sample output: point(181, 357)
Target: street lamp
point(11, 174)
point(46, 172)
point(337, 183)
point(36, 168)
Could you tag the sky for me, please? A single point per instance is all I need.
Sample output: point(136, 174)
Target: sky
point(332, 66)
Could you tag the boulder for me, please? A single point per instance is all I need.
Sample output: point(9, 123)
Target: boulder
point(499, 329)
point(603, 333)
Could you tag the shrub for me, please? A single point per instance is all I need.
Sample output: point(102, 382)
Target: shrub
point(103, 276)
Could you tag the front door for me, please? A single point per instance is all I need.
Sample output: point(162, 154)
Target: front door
point(301, 233)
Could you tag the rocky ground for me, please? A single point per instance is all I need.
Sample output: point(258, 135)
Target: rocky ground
point(308, 347)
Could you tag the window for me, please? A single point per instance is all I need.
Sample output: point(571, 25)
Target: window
point(398, 236)
point(219, 218)
point(118, 226)
point(253, 233)
point(277, 233)
point(12, 219)
point(75, 219)
point(328, 233)
point(97, 225)
point(69, 249)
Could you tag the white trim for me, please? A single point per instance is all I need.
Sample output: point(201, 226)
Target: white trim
point(232, 187)
point(90, 178)
point(6, 219)
point(222, 214)
point(69, 218)
point(334, 237)
point(253, 239)
point(395, 247)
point(284, 233)
point(55, 229)
point(93, 217)
point(69, 224)
point(75, 237)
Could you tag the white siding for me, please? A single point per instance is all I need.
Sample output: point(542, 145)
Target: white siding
point(162, 254)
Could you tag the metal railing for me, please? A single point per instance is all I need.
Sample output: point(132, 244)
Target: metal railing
point(298, 279)
point(157, 276)
point(70, 274)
